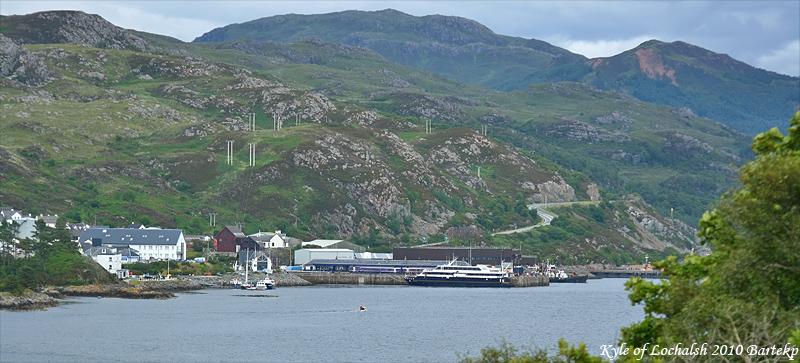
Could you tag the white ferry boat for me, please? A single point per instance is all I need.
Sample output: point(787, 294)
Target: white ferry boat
point(460, 274)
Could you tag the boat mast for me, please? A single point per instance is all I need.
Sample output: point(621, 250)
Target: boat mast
point(246, 260)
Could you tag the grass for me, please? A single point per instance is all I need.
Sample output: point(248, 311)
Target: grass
point(154, 173)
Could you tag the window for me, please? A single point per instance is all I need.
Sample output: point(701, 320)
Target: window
point(110, 259)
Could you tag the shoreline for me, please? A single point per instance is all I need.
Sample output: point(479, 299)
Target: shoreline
point(165, 289)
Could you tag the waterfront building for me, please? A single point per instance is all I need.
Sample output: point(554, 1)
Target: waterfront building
point(107, 257)
point(259, 261)
point(150, 244)
point(374, 256)
point(231, 240)
point(371, 265)
point(271, 239)
point(305, 255)
point(473, 255)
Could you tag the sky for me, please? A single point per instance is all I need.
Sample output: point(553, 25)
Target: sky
point(765, 34)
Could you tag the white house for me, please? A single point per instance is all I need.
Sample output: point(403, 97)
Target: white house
point(303, 256)
point(271, 240)
point(151, 244)
point(10, 214)
point(49, 220)
point(259, 261)
point(26, 227)
point(108, 257)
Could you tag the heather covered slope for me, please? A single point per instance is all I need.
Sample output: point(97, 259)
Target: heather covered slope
point(126, 135)
point(675, 74)
point(454, 47)
point(709, 84)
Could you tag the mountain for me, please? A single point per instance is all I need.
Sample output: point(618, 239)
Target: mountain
point(127, 135)
point(69, 27)
point(709, 84)
point(454, 47)
point(675, 74)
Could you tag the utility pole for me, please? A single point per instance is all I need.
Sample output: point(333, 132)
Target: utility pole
point(479, 172)
point(297, 119)
point(252, 121)
point(230, 152)
point(252, 154)
point(212, 219)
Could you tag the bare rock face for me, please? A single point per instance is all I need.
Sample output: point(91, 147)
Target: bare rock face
point(593, 192)
point(74, 27)
point(551, 191)
point(18, 64)
point(615, 118)
point(581, 131)
point(436, 108)
point(658, 233)
point(683, 144)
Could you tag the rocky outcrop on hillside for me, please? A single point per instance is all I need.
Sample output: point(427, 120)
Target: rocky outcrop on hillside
point(430, 107)
point(656, 232)
point(20, 65)
point(551, 191)
point(682, 144)
point(580, 131)
point(76, 27)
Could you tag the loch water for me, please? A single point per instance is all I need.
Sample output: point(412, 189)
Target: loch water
point(320, 323)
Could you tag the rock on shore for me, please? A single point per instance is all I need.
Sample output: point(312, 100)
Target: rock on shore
point(28, 300)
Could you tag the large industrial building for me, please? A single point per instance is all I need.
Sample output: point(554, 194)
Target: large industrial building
point(305, 255)
point(472, 255)
point(371, 265)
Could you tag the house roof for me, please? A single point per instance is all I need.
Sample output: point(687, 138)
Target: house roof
point(328, 250)
point(128, 236)
point(235, 230)
point(8, 211)
point(243, 255)
point(323, 242)
point(49, 219)
point(98, 251)
point(266, 236)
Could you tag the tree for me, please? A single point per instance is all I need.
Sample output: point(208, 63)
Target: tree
point(62, 238)
point(747, 291)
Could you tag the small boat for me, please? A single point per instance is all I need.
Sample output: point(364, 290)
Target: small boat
point(560, 276)
point(362, 308)
point(265, 284)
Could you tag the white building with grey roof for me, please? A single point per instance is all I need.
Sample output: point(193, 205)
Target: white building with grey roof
point(151, 244)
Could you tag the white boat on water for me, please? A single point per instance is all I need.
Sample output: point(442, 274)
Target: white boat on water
point(461, 274)
point(265, 284)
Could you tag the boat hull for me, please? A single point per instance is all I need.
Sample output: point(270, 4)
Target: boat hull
point(571, 279)
point(456, 282)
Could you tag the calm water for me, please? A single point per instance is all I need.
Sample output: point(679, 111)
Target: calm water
point(318, 324)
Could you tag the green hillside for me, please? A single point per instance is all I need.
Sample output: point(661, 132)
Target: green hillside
point(126, 135)
point(675, 74)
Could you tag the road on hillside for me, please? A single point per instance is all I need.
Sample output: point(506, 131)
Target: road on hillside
point(547, 216)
